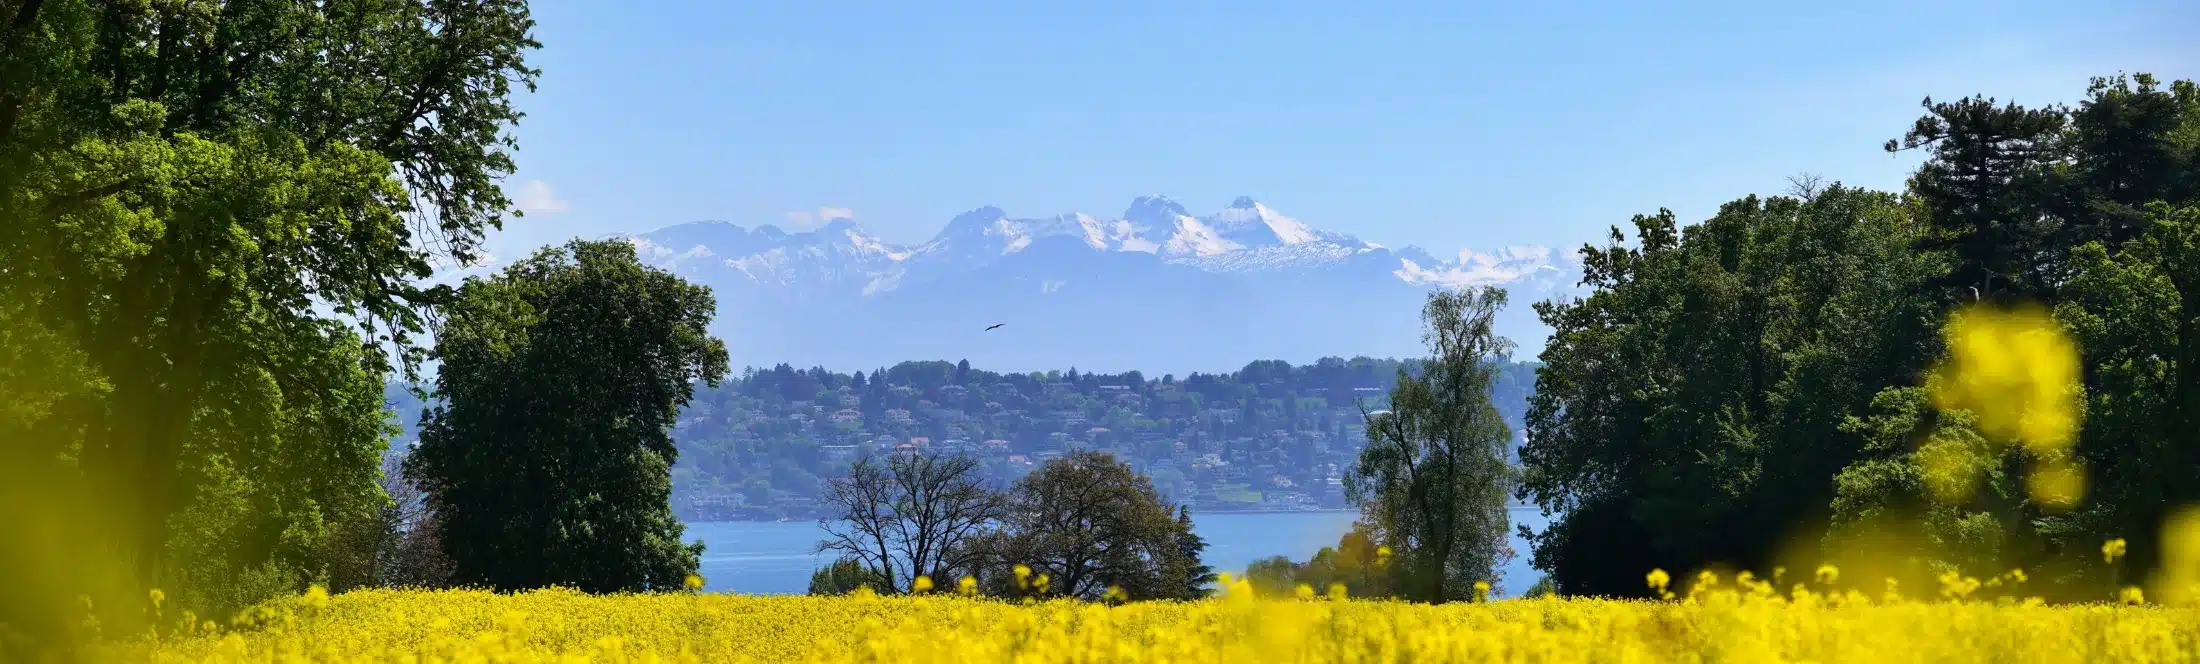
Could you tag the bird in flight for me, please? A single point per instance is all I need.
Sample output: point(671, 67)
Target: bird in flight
point(990, 329)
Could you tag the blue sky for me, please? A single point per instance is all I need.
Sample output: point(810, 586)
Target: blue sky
point(1441, 124)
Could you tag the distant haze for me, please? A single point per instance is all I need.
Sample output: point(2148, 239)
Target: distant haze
point(1155, 288)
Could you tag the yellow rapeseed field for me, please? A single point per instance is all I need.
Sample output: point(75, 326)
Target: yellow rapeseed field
point(1738, 621)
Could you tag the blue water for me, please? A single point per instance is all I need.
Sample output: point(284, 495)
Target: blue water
point(768, 558)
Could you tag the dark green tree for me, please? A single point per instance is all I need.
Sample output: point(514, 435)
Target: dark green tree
point(548, 461)
point(1090, 523)
point(844, 576)
point(1189, 546)
point(1649, 455)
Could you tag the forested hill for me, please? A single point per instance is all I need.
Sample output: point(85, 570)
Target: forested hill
point(1268, 436)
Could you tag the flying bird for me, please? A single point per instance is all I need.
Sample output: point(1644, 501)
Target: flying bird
point(990, 329)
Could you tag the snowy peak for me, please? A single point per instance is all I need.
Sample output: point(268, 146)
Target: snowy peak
point(1248, 237)
point(1156, 210)
point(1473, 268)
point(987, 233)
point(1250, 223)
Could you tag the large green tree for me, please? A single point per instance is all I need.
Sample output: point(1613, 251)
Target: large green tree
point(1433, 478)
point(548, 460)
point(1757, 382)
point(191, 193)
point(1089, 523)
point(1689, 412)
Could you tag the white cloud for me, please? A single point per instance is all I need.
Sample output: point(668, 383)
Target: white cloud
point(538, 197)
point(806, 219)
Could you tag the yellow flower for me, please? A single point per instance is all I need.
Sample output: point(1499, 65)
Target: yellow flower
point(693, 582)
point(1303, 591)
point(1337, 592)
point(1658, 579)
point(157, 596)
point(967, 586)
point(2058, 484)
point(316, 597)
point(2016, 371)
point(2132, 595)
point(2112, 549)
point(1828, 574)
point(922, 585)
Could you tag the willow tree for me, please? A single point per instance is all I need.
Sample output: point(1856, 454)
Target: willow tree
point(1433, 478)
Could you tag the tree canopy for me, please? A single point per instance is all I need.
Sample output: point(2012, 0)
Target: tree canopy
point(1754, 390)
point(215, 219)
point(548, 460)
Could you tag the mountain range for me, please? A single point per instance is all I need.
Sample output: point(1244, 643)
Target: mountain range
point(1156, 289)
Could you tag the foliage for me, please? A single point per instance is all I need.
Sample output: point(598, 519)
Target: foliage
point(908, 516)
point(548, 460)
point(1357, 566)
point(1089, 527)
point(842, 577)
point(1433, 479)
point(214, 219)
point(1776, 381)
point(1189, 547)
point(1725, 625)
point(780, 428)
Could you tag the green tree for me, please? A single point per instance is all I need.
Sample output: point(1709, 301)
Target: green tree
point(548, 461)
point(1651, 456)
point(844, 576)
point(1089, 523)
point(188, 191)
point(1433, 477)
point(1189, 546)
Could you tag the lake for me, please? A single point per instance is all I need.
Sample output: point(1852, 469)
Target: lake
point(767, 558)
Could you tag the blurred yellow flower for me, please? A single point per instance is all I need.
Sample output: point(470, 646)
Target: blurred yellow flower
point(2016, 370)
point(1729, 624)
point(2058, 484)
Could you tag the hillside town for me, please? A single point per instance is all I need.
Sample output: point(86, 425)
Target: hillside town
point(1268, 437)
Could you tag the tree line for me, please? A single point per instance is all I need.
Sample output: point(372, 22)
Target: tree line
point(1811, 430)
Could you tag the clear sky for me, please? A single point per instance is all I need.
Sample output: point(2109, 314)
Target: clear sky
point(1443, 124)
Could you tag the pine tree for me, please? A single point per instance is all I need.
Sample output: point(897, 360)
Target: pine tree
point(1197, 574)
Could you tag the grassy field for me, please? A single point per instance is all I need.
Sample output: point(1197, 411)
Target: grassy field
point(1730, 626)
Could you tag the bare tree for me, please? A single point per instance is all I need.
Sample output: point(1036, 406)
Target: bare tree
point(910, 515)
point(1806, 186)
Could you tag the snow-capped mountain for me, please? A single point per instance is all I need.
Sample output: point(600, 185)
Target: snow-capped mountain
point(1155, 289)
